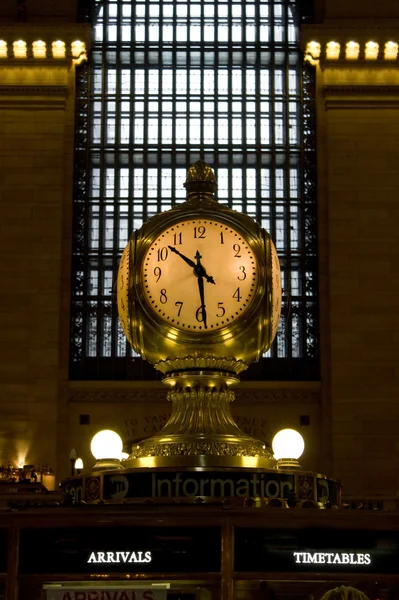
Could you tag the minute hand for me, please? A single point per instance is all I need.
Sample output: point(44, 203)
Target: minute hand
point(202, 298)
point(190, 262)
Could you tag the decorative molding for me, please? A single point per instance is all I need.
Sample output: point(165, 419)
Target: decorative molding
point(156, 395)
point(361, 96)
point(134, 396)
point(370, 90)
point(278, 395)
point(40, 97)
point(34, 90)
point(67, 31)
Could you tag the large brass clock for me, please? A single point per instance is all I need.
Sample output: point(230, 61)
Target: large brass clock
point(199, 285)
point(200, 275)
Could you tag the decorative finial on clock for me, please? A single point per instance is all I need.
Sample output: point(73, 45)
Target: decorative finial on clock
point(200, 179)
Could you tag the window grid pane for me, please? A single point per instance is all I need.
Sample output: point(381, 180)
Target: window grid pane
point(171, 83)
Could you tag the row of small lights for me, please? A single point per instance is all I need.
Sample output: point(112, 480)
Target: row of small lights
point(352, 51)
point(39, 49)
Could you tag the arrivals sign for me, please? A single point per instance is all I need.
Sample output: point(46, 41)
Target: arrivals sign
point(125, 557)
point(120, 549)
point(104, 593)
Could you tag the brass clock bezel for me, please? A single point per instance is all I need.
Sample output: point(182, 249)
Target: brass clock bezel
point(258, 247)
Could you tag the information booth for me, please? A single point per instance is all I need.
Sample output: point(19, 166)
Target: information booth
point(196, 552)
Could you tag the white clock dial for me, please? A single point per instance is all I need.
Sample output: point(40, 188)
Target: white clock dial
point(199, 275)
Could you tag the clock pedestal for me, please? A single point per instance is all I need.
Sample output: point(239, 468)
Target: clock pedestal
point(201, 455)
point(199, 295)
point(201, 431)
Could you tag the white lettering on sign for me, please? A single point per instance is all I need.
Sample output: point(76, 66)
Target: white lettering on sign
point(254, 485)
point(120, 557)
point(332, 558)
point(109, 593)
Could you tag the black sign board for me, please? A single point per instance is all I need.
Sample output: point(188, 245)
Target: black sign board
point(224, 483)
point(316, 550)
point(120, 549)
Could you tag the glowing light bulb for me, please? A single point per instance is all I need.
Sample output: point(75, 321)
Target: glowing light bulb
point(79, 464)
point(391, 51)
point(313, 48)
point(3, 49)
point(371, 50)
point(106, 444)
point(58, 48)
point(333, 50)
point(39, 49)
point(19, 48)
point(352, 50)
point(77, 47)
point(288, 445)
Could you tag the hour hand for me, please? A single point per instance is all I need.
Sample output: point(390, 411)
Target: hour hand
point(190, 262)
point(201, 271)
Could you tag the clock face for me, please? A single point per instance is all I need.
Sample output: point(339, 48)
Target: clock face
point(199, 275)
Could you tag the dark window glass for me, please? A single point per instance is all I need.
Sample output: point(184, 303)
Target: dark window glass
point(316, 550)
point(69, 550)
point(3, 551)
point(171, 82)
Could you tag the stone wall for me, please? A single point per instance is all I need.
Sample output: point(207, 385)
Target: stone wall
point(353, 412)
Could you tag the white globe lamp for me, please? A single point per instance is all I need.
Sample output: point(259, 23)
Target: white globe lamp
point(106, 447)
point(288, 446)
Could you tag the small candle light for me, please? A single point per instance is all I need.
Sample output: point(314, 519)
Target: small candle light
point(78, 465)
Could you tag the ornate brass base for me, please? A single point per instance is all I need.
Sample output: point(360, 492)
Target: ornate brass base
point(201, 426)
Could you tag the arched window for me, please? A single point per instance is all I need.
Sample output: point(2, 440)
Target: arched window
point(170, 82)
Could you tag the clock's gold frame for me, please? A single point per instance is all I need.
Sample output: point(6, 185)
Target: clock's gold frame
point(164, 345)
point(201, 366)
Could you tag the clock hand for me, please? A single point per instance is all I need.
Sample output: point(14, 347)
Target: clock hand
point(201, 293)
point(190, 262)
point(201, 271)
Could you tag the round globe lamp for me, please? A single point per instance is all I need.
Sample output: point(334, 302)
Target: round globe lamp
point(106, 447)
point(288, 446)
